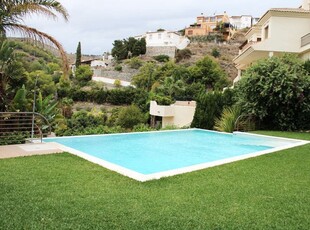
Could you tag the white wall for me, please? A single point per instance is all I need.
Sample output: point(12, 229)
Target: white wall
point(246, 21)
point(166, 38)
point(285, 34)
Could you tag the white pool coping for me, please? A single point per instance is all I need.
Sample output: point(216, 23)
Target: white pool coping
point(142, 177)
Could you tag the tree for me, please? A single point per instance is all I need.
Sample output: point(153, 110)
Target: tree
point(78, 56)
point(145, 78)
point(171, 87)
point(209, 107)
point(119, 50)
point(208, 72)
point(136, 49)
point(13, 12)
point(277, 91)
point(19, 103)
point(12, 75)
point(83, 74)
point(143, 45)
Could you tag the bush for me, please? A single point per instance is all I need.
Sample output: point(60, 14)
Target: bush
point(215, 53)
point(134, 63)
point(228, 119)
point(118, 68)
point(277, 92)
point(83, 74)
point(209, 108)
point(130, 116)
point(183, 54)
point(117, 83)
point(124, 96)
point(161, 58)
point(142, 128)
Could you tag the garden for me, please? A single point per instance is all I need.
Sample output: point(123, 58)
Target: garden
point(63, 191)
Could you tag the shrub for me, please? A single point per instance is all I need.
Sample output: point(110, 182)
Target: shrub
point(215, 52)
point(161, 58)
point(209, 108)
point(134, 63)
point(277, 92)
point(83, 74)
point(130, 116)
point(117, 83)
point(142, 128)
point(228, 119)
point(123, 96)
point(118, 68)
point(183, 54)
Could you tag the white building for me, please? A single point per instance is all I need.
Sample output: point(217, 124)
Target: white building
point(280, 30)
point(165, 38)
point(179, 114)
point(243, 21)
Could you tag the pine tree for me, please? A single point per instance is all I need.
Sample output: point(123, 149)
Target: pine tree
point(78, 56)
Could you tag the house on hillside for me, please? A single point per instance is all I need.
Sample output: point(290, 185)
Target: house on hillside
point(206, 24)
point(242, 22)
point(163, 42)
point(279, 30)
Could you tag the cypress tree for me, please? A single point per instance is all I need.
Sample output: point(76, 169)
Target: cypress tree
point(78, 56)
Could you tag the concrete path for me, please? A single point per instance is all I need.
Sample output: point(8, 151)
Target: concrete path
point(10, 151)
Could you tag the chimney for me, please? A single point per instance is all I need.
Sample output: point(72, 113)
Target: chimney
point(306, 5)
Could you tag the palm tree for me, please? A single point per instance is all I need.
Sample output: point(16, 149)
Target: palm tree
point(12, 13)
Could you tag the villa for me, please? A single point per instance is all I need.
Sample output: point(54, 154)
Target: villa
point(163, 42)
point(242, 22)
point(280, 30)
point(206, 24)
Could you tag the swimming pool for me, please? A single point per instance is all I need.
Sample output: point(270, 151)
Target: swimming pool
point(152, 155)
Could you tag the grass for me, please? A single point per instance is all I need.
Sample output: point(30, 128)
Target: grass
point(62, 191)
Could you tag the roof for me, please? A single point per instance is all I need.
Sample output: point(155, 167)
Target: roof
point(284, 10)
point(294, 10)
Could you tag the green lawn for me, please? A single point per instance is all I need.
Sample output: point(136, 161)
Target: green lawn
point(62, 191)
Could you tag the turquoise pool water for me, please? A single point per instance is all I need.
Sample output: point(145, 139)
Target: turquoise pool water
point(154, 152)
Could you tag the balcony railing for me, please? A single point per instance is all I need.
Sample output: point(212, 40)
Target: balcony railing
point(305, 40)
point(247, 45)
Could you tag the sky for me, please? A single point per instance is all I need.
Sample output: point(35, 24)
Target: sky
point(98, 23)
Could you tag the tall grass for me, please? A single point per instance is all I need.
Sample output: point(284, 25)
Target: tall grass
point(226, 123)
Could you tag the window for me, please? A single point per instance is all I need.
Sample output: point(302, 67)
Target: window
point(190, 32)
point(266, 32)
point(159, 36)
point(150, 36)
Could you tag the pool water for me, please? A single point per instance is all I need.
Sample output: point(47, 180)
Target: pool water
point(154, 152)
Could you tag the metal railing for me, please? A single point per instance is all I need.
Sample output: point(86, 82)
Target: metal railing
point(305, 40)
point(17, 127)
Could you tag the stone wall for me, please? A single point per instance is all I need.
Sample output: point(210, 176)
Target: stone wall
point(160, 50)
point(126, 74)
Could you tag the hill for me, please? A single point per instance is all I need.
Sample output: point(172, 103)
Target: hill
point(227, 52)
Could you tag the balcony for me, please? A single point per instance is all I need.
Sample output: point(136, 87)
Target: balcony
point(305, 40)
point(246, 45)
point(161, 110)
